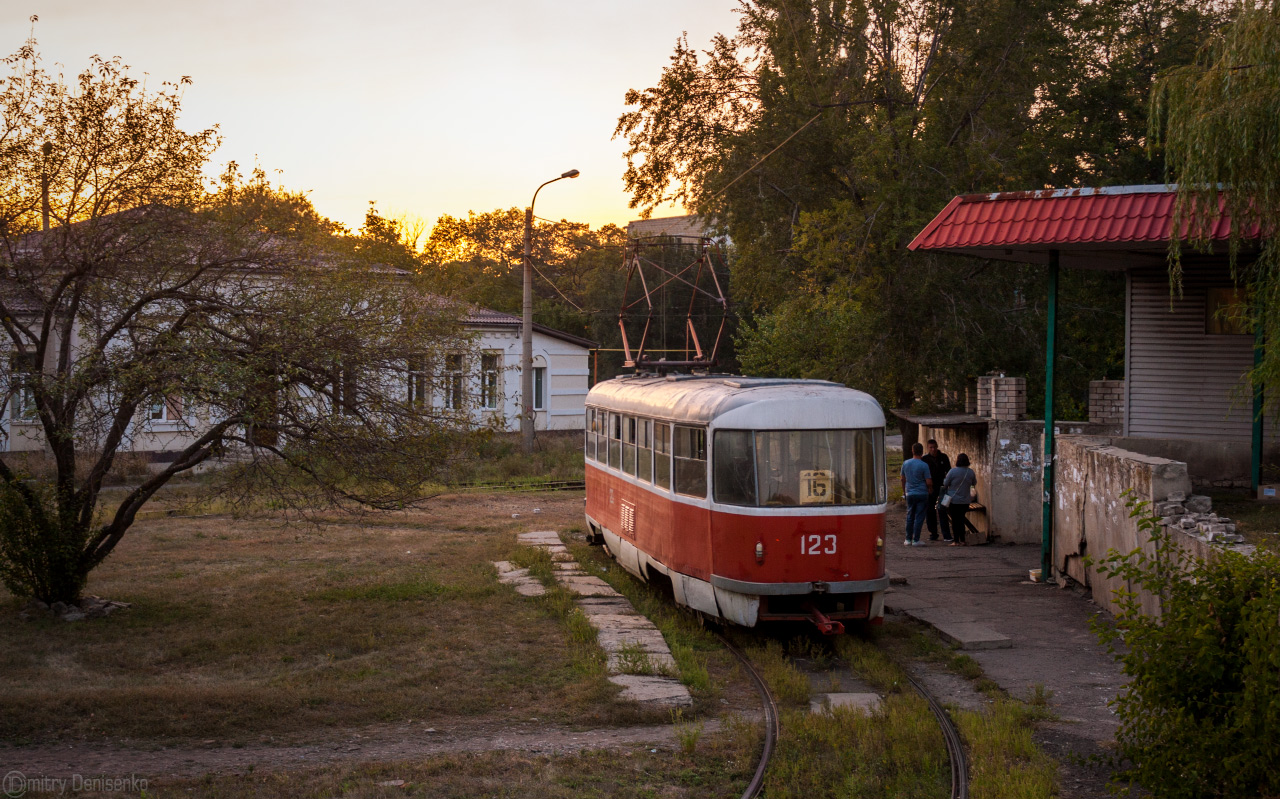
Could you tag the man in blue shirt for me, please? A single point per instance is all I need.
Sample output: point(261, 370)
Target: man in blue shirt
point(916, 485)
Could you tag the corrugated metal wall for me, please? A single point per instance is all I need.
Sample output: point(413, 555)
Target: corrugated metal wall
point(1183, 383)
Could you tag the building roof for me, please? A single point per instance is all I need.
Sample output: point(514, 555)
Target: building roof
point(487, 317)
point(1092, 227)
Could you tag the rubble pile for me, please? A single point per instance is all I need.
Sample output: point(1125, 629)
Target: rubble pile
point(1194, 515)
point(87, 607)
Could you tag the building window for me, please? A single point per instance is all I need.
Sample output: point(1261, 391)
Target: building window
point(539, 388)
point(22, 407)
point(490, 368)
point(416, 373)
point(454, 382)
point(345, 391)
point(1226, 312)
point(166, 408)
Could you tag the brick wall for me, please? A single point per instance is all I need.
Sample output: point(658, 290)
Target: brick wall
point(1008, 398)
point(1106, 401)
point(984, 396)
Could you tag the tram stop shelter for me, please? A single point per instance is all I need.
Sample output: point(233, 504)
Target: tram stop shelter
point(1190, 416)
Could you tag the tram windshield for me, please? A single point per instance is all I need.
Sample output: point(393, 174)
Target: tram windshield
point(799, 468)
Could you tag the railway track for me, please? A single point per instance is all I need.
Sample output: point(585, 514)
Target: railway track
point(955, 747)
point(516, 488)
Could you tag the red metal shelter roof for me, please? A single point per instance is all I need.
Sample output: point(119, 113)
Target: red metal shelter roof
point(1012, 224)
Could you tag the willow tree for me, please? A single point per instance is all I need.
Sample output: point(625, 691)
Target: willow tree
point(141, 309)
point(1219, 122)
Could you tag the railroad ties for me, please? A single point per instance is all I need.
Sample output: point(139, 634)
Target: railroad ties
point(630, 641)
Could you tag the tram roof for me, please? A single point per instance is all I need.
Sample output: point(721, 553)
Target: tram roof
point(751, 403)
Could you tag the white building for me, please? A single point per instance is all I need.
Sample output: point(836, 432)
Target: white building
point(483, 381)
point(561, 373)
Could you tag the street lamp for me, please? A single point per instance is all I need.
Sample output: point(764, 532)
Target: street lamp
point(526, 328)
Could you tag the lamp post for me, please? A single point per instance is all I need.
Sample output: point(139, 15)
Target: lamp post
point(526, 327)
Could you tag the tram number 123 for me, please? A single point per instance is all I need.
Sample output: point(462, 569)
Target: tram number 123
point(815, 544)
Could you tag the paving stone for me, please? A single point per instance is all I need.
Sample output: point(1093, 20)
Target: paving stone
point(648, 640)
point(587, 586)
point(510, 574)
point(658, 663)
point(540, 538)
point(971, 635)
point(621, 621)
point(605, 605)
point(868, 703)
point(660, 691)
point(520, 579)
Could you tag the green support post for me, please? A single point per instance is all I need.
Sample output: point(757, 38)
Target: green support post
point(1255, 464)
point(1051, 339)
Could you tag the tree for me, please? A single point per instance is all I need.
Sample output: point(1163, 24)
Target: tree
point(578, 271)
point(231, 320)
point(826, 133)
point(1216, 119)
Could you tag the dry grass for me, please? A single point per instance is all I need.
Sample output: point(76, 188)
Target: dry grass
point(635, 772)
point(244, 630)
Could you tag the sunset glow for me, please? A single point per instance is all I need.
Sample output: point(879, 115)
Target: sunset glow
point(427, 108)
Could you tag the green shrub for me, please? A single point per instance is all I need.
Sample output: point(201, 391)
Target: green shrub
point(1201, 714)
point(41, 553)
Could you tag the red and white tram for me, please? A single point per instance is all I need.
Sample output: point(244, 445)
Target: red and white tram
point(758, 499)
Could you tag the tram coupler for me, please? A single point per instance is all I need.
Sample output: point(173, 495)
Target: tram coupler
point(820, 620)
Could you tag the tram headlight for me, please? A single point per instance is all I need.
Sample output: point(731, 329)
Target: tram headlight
point(759, 552)
point(879, 546)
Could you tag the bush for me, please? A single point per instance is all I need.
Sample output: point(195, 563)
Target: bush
point(1201, 714)
point(40, 553)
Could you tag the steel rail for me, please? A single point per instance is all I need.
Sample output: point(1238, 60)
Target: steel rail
point(955, 746)
point(770, 719)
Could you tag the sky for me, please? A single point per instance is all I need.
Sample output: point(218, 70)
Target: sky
point(430, 107)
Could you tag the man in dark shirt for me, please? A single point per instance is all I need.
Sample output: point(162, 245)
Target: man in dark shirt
point(939, 464)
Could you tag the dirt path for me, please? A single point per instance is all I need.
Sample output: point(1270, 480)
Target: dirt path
point(388, 743)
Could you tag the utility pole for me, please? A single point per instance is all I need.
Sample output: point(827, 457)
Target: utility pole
point(526, 325)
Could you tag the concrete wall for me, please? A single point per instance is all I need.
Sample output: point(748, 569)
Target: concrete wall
point(1090, 515)
point(1210, 464)
point(1008, 458)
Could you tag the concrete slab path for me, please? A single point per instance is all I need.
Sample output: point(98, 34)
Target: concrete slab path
point(1023, 634)
point(630, 641)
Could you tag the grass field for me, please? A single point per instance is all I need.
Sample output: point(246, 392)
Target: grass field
point(247, 629)
point(253, 634)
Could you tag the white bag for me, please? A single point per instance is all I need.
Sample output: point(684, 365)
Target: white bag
point(946, 502)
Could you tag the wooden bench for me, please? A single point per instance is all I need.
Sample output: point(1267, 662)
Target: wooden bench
point(968, 525)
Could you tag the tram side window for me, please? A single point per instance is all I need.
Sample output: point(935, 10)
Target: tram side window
point(644, 449)
point(690, 447)
point(589, 435)
point(733, 468)
point(662, 455)
point(615, 440)
point(629, 445)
